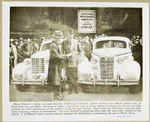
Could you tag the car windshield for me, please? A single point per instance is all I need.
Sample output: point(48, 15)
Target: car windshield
point(45, 47)
point(111, 44)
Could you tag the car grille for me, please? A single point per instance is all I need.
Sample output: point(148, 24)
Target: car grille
point(37, 65)
point(106, 67)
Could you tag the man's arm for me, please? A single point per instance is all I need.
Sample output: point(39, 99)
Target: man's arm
point(54, 51)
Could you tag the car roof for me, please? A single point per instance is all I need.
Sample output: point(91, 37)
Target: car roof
point(112, 38)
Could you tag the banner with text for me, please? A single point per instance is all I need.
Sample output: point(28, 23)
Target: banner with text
point(86, 21)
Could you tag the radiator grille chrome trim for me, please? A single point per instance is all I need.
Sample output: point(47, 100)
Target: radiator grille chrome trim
point(37, 65)
point(107, 67)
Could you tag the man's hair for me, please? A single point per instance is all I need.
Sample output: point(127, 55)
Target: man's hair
point(70, 31)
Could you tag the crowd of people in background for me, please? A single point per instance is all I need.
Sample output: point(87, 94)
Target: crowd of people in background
point(24, 47)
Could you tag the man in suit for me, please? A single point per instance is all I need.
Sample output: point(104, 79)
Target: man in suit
point(70, 48)
point(55, 63)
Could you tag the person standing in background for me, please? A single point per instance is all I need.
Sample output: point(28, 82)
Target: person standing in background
point(137, 53)
point(87, 47)
point(70, 48)
point(11, 59)
point(30, 46)
point(21, 42)
point(14, 50)
point(24, 50)
point(35, 46)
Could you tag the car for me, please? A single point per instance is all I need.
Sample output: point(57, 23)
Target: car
point(34, 70)
point(111, 63)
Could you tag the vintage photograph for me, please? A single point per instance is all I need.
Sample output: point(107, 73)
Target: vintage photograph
point(75, 54)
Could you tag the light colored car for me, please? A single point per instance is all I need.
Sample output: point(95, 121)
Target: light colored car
point(33, 70)
point(112, 63)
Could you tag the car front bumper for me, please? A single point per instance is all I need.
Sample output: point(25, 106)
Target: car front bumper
point(108, 82)
point(29, 82)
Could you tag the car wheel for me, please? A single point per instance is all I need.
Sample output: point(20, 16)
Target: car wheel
point(132, 89)
point(22, 88)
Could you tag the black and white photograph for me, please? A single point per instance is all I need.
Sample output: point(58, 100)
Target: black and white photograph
point(75, 58)
point(75, 54)
point(53, 57)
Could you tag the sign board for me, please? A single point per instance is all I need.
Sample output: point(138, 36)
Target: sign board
point(86, 21)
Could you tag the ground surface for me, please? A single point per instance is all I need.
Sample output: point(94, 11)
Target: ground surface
point(99, 93)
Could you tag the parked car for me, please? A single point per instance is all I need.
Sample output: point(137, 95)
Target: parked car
point(34, 70)
point(112, 63)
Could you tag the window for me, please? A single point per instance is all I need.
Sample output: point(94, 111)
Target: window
point(111, 44)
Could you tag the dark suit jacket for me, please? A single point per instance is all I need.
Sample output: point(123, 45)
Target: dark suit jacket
point(54, 51)
point(72, 47)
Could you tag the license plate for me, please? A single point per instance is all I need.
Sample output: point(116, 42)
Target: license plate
point(36, 76)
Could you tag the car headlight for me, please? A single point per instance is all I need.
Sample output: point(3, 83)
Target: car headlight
point(18, 76)
point(120, 60)
point(27, 61)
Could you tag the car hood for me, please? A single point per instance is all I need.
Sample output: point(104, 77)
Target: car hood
point(111, 52)
point(41, 54)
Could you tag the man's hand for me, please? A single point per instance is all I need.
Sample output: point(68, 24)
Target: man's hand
point(66, 56)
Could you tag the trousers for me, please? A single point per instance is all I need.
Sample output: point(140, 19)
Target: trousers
point(72, 78)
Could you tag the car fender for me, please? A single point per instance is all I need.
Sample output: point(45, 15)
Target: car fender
point(21, 68)
point(84, 67)
point(130, 71)
point(29, 75)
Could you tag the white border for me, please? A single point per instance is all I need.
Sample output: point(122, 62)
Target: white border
point(76, 4)
point(144, 115)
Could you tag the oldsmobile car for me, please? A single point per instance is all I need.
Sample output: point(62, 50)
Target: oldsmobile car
point(34, 70)
point(112, 63)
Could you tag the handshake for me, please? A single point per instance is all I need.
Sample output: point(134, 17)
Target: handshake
point(66, 56)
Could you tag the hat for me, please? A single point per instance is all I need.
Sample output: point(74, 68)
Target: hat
point(42, 38)
point(58, 34)
point(28, 39)
point(24, 40)
point(12, 40)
